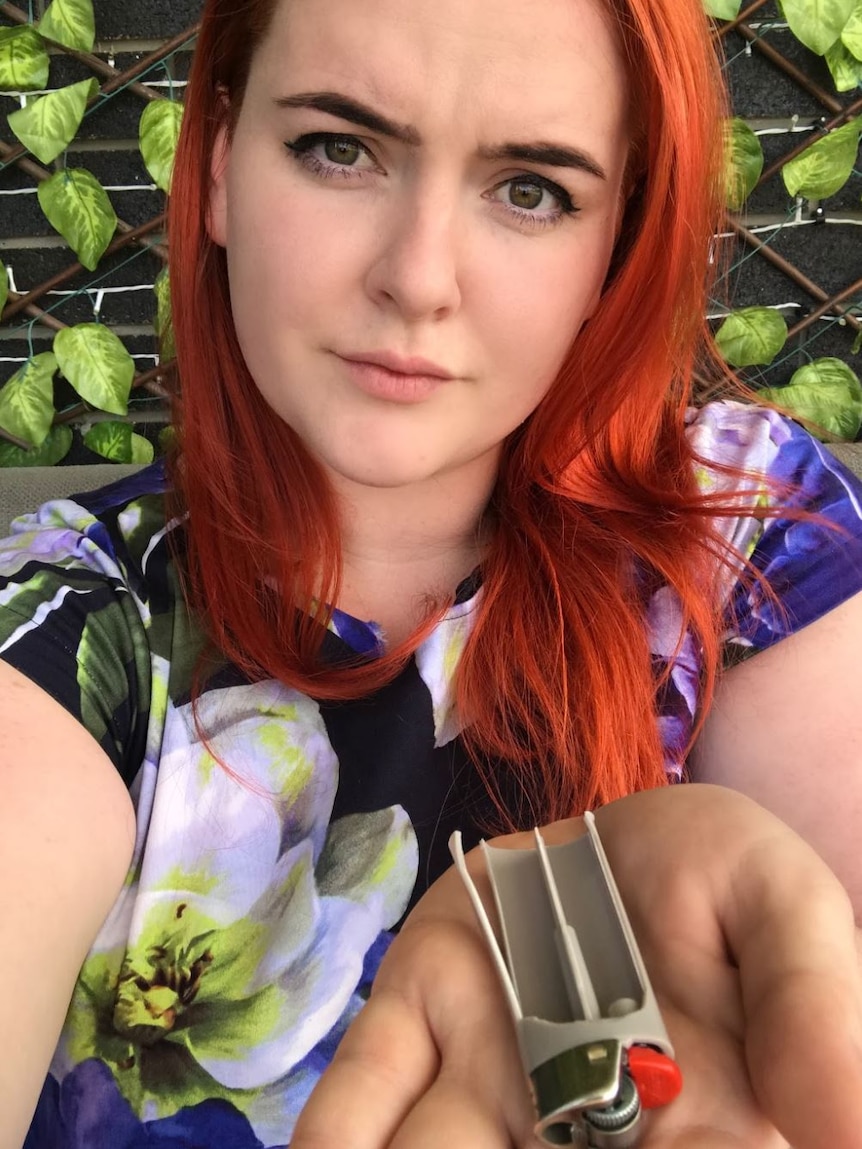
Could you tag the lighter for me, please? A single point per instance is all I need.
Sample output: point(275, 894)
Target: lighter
point(592, 1040)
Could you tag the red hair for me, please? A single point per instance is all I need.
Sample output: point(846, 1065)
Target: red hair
point(556, 678)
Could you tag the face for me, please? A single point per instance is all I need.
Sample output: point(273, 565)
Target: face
point(419, 203)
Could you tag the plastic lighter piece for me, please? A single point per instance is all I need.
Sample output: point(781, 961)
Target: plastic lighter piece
point(657, 1076)
point(576, 986)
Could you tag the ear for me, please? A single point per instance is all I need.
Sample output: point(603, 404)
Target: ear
point(217, 206)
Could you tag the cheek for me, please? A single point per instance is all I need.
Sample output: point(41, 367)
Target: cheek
point(294, 260)
point(533, 316)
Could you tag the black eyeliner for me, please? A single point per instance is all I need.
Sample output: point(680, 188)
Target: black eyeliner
point(309, 140)
point(567, 205)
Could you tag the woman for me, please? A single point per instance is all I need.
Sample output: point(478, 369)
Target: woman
point(438, 275)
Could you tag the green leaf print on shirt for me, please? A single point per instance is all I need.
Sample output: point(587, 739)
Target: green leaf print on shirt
point(201, 1010)
point(250, 918)
point(111, 642)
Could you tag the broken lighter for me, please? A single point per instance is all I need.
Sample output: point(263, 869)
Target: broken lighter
point(591, 1037)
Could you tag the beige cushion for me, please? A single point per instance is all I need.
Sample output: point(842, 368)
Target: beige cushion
point(23, 489)
point(850, 455)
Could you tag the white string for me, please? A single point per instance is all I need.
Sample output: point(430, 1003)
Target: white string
point(110, 188)
point(26, 358)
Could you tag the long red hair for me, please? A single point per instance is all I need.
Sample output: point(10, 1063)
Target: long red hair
point(556, 678)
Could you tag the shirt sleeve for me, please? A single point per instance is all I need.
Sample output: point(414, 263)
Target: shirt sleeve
point(71, 622)
point(809, 563)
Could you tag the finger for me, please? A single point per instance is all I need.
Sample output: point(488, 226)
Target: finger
point(791, 926)
point(717, 1106)
point(480, 1068)
point(385, 1062)
point(451, 1114)
point(685, 952)
point(707, 1137)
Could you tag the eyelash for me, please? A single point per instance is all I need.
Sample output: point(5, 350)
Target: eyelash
point(302, 149)
point(566, 206)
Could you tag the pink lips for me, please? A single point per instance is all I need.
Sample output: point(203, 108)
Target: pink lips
point(395, 378)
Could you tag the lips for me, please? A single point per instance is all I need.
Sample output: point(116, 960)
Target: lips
point(394, 378)
point(399, 364)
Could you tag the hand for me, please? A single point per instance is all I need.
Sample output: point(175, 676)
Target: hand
point(751, 948)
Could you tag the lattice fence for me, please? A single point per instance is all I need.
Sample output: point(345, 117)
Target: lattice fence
point(802, 257)
point(805, 256)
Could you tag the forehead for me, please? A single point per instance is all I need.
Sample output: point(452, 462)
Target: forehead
point(484, 66)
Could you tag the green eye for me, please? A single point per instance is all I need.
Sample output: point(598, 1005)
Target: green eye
point(345, 152)
point(525, 195)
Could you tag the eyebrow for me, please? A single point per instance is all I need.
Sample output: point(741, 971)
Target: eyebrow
point(553, 155)
point(354, 112)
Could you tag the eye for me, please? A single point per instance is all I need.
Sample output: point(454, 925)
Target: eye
point(330, 155)
point(533, 200)
point(342, 150)
point(528, 195)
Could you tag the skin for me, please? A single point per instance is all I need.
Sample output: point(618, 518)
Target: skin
point(786, 729)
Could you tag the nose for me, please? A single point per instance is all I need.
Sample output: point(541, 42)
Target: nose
point(415, 266)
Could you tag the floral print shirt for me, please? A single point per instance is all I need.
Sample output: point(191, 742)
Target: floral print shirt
point(255, 912)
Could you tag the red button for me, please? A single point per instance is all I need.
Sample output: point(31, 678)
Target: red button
point(657, 1076)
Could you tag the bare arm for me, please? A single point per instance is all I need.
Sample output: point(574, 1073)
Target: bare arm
point(786, 729)
point(66, 837)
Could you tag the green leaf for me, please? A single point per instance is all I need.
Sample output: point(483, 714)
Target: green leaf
point(24, 60)
point(826, 166)
point(159, 131)
point(751, 335)
point(117, 441)
point(163, 324)
point(77, 205)
point(70, 22)
point(851, 36)
point(845, 68)
point(722, 9)
point(817, 23)
point(826, 393)
point(55, 447)
point(48, 125)
point(97, 365)
point(857, 344)
point(4, 285)
point(27, 400)
point(743, 159)
point(167, 439)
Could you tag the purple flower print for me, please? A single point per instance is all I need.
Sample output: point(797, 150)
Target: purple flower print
point(87, 1111)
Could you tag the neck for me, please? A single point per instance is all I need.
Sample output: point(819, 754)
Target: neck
point(405, 548)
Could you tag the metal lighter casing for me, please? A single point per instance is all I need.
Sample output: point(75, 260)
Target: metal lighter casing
point(575, 982)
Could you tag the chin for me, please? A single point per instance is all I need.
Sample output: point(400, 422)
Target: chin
point(382, 474)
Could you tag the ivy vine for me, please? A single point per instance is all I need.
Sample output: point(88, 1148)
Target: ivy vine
point(89, 356)
point(826, 392)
